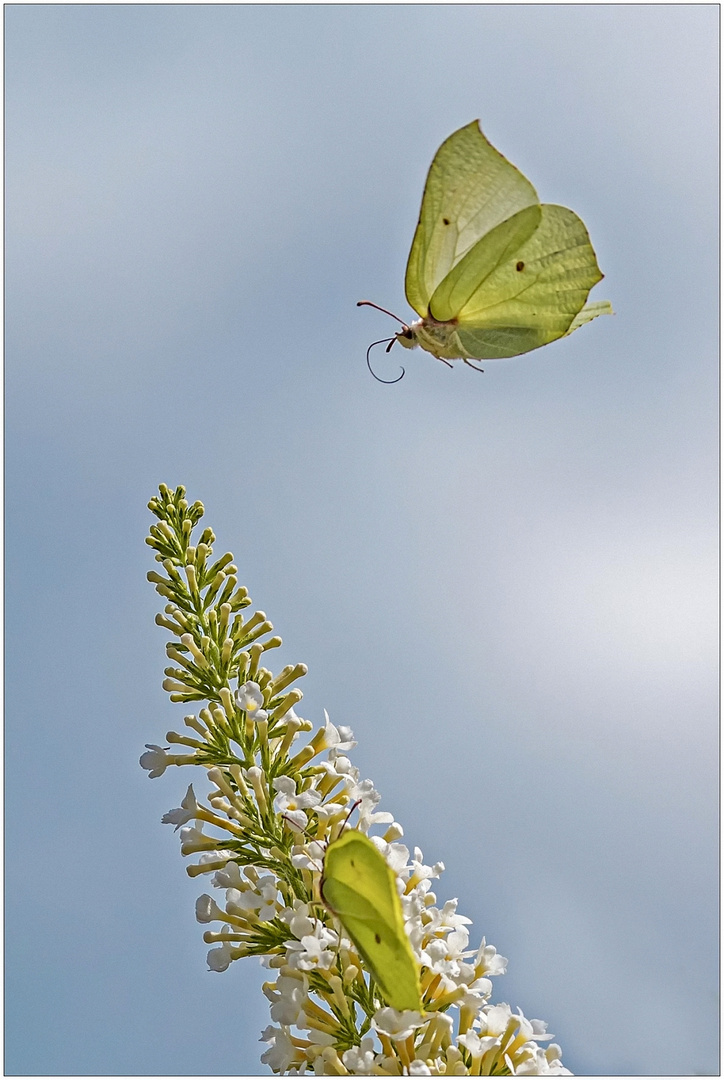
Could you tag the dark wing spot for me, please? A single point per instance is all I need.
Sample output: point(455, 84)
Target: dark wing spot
point(378, 939)
point(446, 221)
point(520, 266)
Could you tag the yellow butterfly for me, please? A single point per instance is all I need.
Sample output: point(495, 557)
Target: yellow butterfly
point(492, 272)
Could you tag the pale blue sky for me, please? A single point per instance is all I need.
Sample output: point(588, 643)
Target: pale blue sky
point(506, 584)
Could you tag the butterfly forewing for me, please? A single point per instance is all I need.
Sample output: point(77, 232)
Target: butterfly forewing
point(470, 189)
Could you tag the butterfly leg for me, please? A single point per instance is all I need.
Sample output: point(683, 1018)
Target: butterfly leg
point(480, 369)
point(443, 360)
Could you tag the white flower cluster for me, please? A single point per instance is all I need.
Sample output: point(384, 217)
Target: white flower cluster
point(327, 1016)
point(262, 834)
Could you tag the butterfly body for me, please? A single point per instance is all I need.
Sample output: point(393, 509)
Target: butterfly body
point(438, 338)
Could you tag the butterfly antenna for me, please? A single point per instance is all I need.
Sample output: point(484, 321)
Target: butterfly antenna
point(354, 805)
point(368, 303)
point(391, 341)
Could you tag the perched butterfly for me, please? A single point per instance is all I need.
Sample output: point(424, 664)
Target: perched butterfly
point(359, 887)
point(492, 272)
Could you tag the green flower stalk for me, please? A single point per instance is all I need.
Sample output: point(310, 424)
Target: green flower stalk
point(280, 793)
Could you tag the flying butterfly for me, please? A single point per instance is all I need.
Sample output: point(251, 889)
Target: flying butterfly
point(492, 272)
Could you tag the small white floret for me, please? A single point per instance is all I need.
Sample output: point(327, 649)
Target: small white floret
point(185, 812)
point(360, 1059)
point(395, 1023)
point(155, 760)
point(281, 1054)
point(249, 698)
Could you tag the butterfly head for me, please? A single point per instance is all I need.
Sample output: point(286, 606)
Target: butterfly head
point(407, 336)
